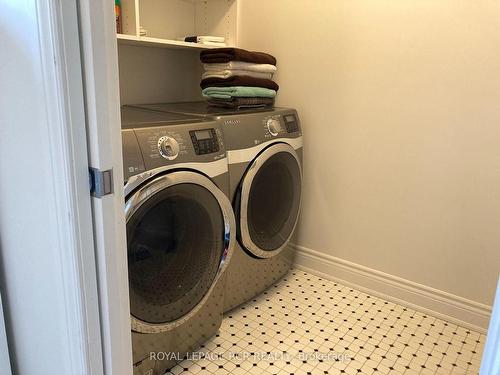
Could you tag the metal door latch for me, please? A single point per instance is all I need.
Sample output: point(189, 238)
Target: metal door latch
point(101, 182)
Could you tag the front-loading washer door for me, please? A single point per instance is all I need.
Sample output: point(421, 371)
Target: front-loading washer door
point(179, 230)
point(269, 201)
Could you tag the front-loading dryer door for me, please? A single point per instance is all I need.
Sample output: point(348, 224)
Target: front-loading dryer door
point(180, 230)
point(269, 200)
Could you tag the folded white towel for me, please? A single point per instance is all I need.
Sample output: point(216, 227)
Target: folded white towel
point(211, 38)
point(241, 65)
point(229, 73)
point(213, 44)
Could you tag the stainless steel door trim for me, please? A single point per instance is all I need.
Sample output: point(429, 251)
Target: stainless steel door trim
point(211, 169)
point(246, 155)
point(246, 185)
point(158, 184)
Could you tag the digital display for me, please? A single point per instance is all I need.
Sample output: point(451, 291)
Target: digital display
point(203, 134)
point(290, 118)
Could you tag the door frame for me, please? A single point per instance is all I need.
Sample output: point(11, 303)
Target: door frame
point(102, 104)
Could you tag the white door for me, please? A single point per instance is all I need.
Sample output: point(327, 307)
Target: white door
point(4, 349)
point(48, 278)
point(491, 356)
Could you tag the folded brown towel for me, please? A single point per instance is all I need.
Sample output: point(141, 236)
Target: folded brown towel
point(242, 102)
point(239, 81)
point(223, 55)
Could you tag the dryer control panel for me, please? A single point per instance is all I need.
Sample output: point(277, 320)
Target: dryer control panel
point(248, 130)
point(291, 123)
point(281, 125)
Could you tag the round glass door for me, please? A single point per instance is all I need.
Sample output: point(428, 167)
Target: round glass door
point(270, 201)
point(176, 245)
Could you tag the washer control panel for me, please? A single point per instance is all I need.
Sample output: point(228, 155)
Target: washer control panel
point(205, 141)
point(159, 146)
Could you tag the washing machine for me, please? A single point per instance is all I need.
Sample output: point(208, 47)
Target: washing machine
point(264, 153)
point(181, 233)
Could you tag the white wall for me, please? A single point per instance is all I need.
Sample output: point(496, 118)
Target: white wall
point(156, 75)
point(399, 102)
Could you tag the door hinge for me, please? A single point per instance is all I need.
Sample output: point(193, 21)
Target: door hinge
point(101, 182)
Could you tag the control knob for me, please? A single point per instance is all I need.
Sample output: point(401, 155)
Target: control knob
point(274, 126)
point(168, 147)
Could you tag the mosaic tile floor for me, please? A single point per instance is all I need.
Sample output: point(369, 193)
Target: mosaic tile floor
point(309, 325)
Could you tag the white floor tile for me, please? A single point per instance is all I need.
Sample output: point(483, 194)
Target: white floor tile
point(304, 323)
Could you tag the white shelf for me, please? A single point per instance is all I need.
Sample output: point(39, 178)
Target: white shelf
point(145, 41)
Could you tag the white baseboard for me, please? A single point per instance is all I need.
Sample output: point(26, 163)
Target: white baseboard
point(443, 305)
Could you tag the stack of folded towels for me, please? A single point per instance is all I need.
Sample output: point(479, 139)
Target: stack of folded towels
point(235, 78)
